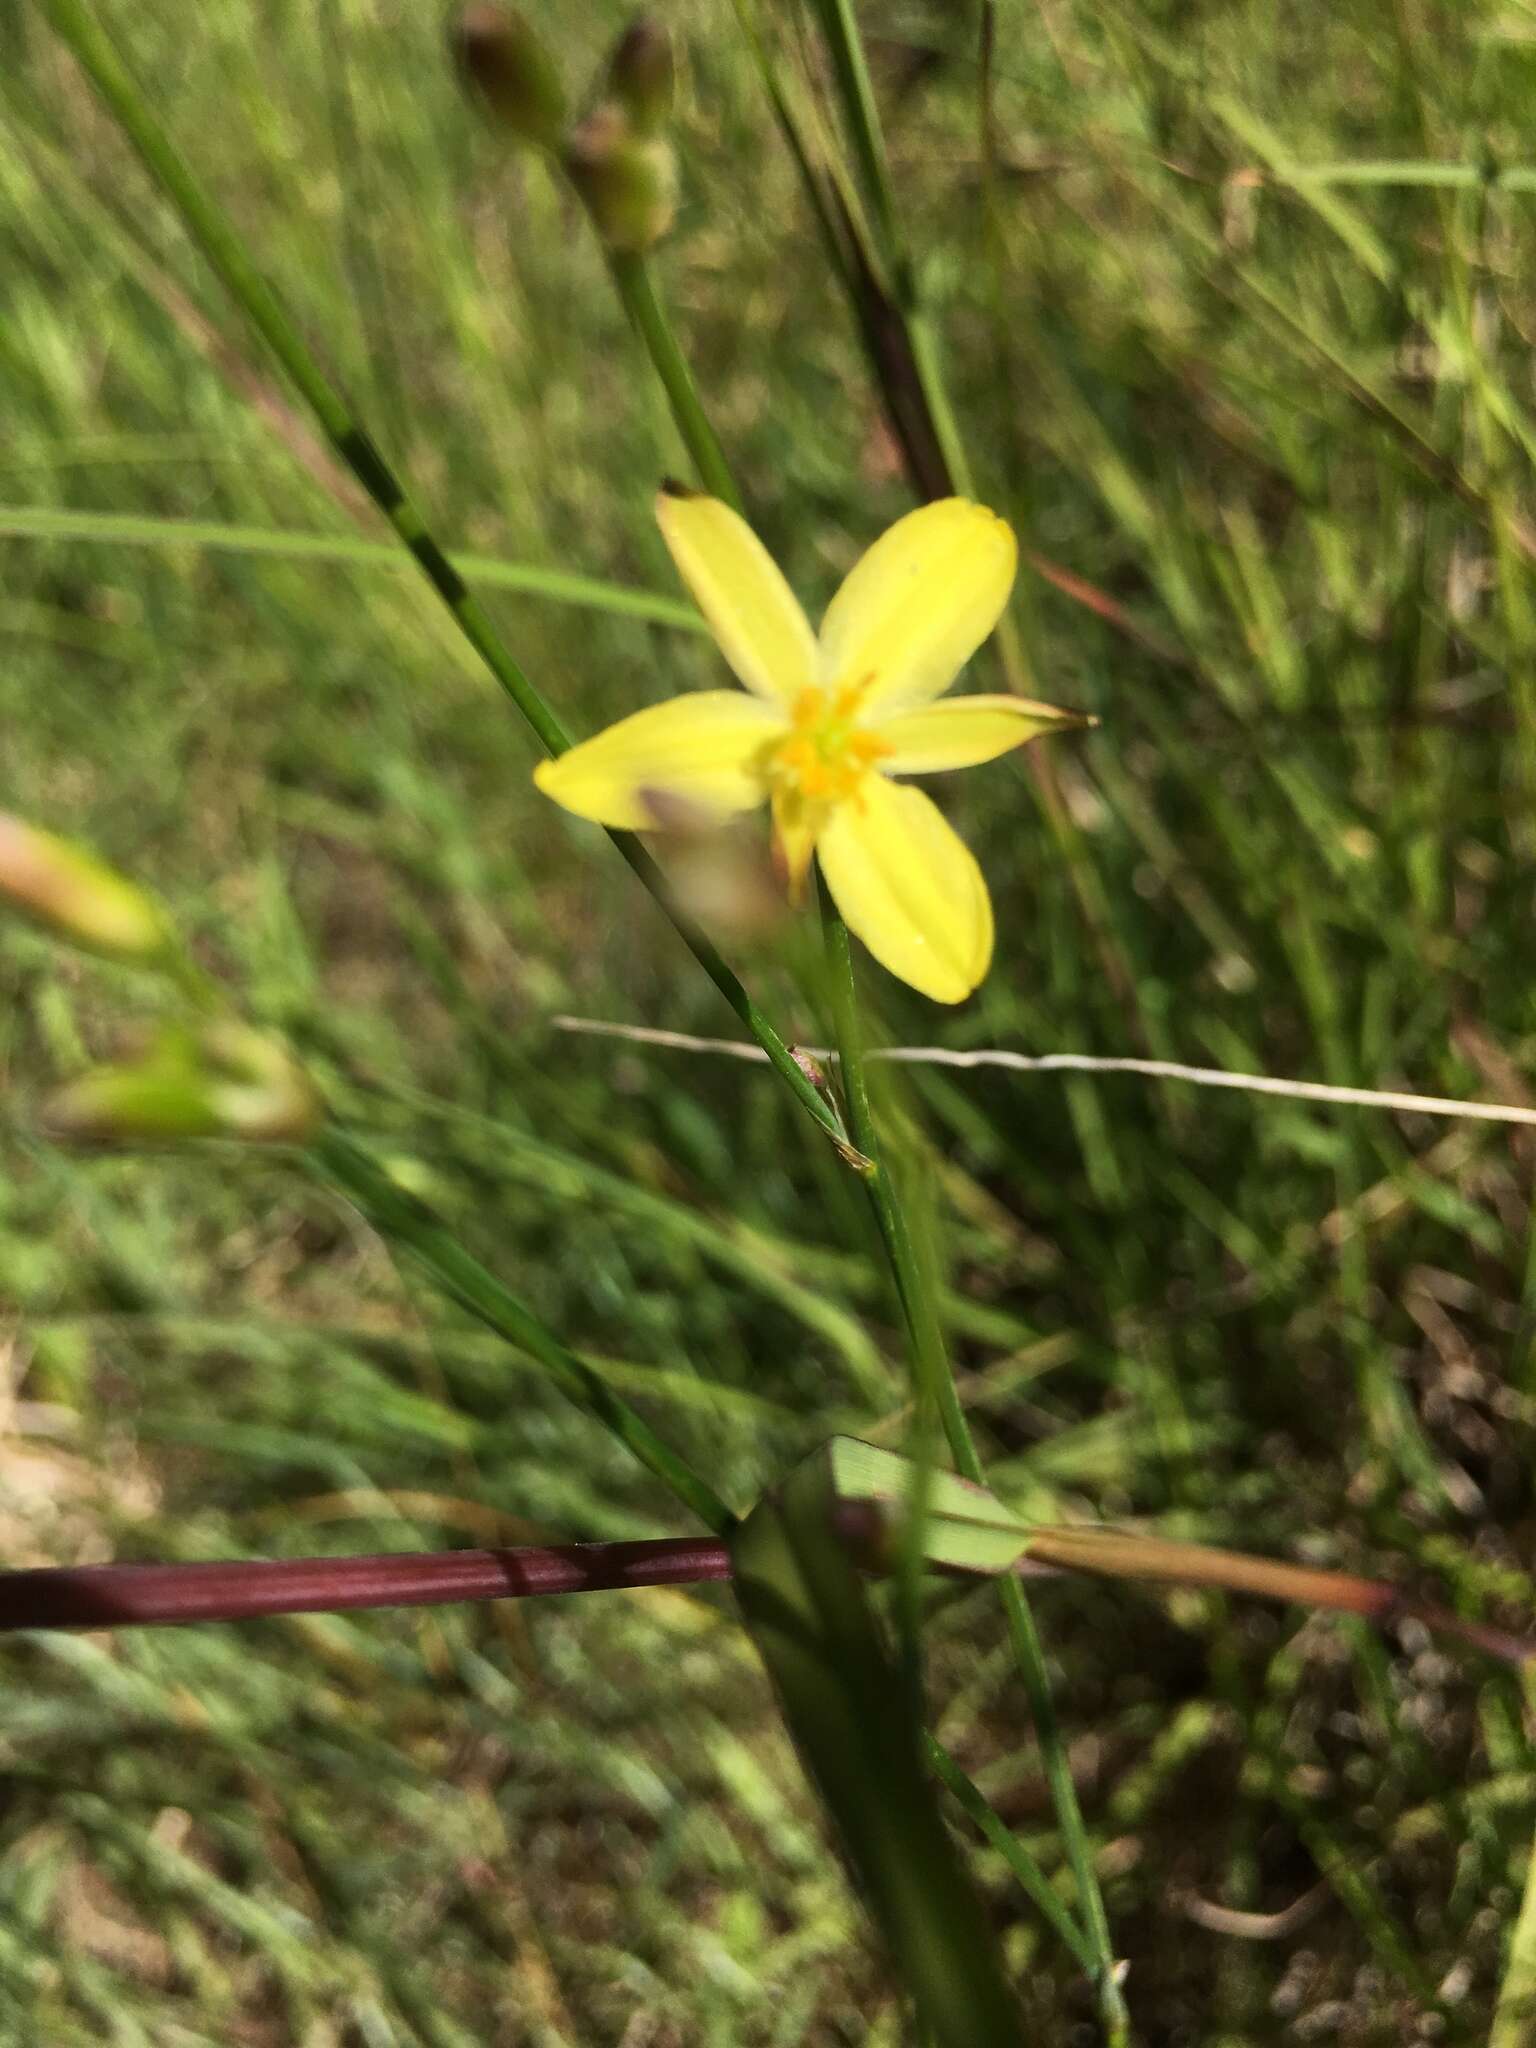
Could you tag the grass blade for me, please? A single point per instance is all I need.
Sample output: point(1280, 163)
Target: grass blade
point(116, 529)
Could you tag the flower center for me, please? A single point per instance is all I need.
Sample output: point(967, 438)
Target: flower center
point(826, 756)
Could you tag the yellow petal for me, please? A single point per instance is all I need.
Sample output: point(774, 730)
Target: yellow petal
point(920, 603)
point(964, 731)
point(706, 749)
point(909, 888)
point(752, 612)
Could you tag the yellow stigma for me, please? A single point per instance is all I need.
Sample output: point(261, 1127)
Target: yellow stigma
point(826, 756)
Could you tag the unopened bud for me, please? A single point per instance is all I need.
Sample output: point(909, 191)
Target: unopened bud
point(811, 1067)
point(502, 59)
point(627, 182)
point(77, 897)
point(220, 1080)
point(642, 75)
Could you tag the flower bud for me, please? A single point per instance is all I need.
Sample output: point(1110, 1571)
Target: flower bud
point(219, 1080)
point(811, 1067)
point(79, 898)
point(500, 57)
point(642, 74)
point(626, 181)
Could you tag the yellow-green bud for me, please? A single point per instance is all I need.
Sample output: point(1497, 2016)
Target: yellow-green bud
point(627, 182)
point(218, 1080)
point(642, 75)
point(502, 59)
point(77, 897)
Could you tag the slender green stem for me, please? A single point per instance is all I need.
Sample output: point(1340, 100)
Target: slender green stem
point(404, 1222)
point(648, 316)
point(935, 1392)
point(709, 958)
point(1030, 1655)
point(936, 1388)
point(1007, 1844)
point(930, 1358)
point(220, 243)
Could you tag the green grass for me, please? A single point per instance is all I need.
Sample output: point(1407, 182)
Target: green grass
point(1288, 426)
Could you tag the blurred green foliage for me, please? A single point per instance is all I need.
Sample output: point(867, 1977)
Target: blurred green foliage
point(1286, 422)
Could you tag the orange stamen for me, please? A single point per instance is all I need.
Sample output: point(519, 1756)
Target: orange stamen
point(868, 747)
point(825, 756)
point(809, 708)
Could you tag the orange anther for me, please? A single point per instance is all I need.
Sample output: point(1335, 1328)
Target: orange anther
point(867, 746)
point(824, 757)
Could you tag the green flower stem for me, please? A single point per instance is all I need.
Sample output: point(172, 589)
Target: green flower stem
point(406, 1223)
point(935, 1383)
point(937, 1392)
point(648, 316)
point(220, 243)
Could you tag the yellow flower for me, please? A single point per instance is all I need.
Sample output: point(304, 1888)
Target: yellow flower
point(826, 721)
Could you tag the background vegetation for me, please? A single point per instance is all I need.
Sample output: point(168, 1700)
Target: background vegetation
point(1228, 339)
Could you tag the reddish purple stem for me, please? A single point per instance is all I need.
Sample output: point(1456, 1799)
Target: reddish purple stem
point(126, 1595)
point(115, 1595)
